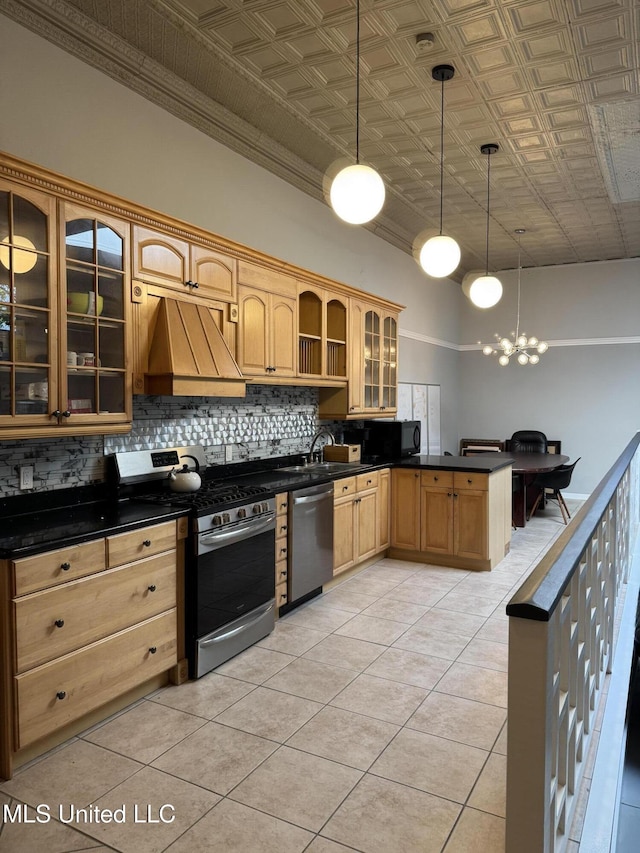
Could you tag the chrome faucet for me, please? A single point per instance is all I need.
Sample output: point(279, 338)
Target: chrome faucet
point(322, 431)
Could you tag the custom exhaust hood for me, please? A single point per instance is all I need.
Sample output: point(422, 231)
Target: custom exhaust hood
point(188, 355)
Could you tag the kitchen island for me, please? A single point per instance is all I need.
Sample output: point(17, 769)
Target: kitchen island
point(451, 510)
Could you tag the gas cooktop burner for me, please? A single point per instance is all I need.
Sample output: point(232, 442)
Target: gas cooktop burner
point(210, 495)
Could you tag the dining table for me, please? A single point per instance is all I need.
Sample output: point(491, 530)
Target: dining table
point(525, 468)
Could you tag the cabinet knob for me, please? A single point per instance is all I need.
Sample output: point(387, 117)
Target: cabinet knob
point(61, 695)
point(455, 494)
point(56, 414)
point(65, 566)
point(153, 650)
point(152, 588)
point(449, 494)
point(192, 284)
point(345, 488)
point(66, 414)
point(469, 481)
point(59, 623)
point(283, 573)
point(147, 543)
point(435, 479)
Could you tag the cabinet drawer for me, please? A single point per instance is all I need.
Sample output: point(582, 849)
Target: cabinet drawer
point(56, 567)
point(282, 504)
point(126, 547)
point(282, 550)
point(59, 620)
point(343, 487)
point(281, 594)
point(443, 479)
point(282, 572)
point(282, 527)
point(61, 691)
point(367, 481)
point(467, 480)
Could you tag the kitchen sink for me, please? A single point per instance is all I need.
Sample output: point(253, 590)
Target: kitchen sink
point(323, 467)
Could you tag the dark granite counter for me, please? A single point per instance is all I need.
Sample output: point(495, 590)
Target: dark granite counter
point(47, 529)
point(481, 464)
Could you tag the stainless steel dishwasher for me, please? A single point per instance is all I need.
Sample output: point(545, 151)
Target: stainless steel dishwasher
point(311, 539)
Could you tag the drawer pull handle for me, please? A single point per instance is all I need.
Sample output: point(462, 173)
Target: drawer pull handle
point(469, 481)
point(59, 623)
point(283, 573)
point(153, 650)
point(147, 543)
point(65, 566)
point(152, 587)
point(435, 479)
point(283, 527)
point(61, 695)
point(345, 488)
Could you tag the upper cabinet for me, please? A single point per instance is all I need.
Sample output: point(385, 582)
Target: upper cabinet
point(185, 267)
point(63, 341)
point(28, 309)
point(322, 334)
point(95, 374)
point(267, 323)
point(372, 366)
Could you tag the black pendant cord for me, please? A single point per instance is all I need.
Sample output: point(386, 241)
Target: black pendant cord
point(357, 82)
point(441, 151)
point(488, 196)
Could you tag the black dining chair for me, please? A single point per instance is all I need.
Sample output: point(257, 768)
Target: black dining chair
point(528, 441)
point(555, 480)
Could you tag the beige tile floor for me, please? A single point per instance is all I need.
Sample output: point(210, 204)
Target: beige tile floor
point(372, 719)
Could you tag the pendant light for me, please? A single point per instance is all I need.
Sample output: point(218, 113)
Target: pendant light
point(486, 290)
point(440, 255)
point(357, 191)
point(519, 344)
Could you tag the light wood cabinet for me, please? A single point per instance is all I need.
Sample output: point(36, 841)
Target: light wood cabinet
point(384, 508)
point(454, 518)
point(86, 624)
point(267, 323)
point(63, 336)
point(322, 334)
point(356, 520)
point(372, 366)
point(187, 268)
point(282, 549)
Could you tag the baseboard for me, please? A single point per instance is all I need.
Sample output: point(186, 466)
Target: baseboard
point(570, 496)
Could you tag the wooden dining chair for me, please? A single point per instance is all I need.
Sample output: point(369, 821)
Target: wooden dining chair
point(554, 481)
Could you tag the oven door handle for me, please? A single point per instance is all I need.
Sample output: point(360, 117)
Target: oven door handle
point(242, 531)
point(218, 638)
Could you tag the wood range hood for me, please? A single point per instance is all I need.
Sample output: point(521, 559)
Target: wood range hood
point(188, 355)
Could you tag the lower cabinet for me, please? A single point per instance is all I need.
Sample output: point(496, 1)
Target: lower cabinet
point(89, 623)
point(282, 549)
point(360, 519)
point(453, 518)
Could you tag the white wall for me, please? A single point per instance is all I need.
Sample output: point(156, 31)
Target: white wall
point(65, 115)
point(584, 391)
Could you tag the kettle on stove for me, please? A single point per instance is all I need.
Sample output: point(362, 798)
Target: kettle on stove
point(185, 480)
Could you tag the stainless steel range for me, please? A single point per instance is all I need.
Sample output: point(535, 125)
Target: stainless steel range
point(229, 572)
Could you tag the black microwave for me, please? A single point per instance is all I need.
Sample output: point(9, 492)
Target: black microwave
point(392, 439)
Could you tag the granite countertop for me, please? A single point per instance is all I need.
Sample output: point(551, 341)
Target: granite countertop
point(481, 464)
point(47, 529)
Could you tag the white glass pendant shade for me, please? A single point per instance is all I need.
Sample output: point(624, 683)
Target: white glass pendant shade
point(357, 194)
point(542, 347)
point(486, 291)
point(440, 256)
point(503, 361)
point(488, 349)
point(523, 358)
point(534, 359)
point(23, 261)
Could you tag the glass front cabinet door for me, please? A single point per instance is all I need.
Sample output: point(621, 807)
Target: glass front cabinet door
point(28, 308)
point(94, 337)
point(63, 341)
point(380, 363)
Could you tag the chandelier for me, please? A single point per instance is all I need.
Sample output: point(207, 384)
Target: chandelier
point(525, 350)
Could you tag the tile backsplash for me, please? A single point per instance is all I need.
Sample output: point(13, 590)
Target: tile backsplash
point(269, 421)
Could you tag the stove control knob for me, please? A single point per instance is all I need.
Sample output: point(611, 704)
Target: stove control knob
point(265, 506)
point(217, 520)
point(257, 509)
point(242, 513)
point(226, 518)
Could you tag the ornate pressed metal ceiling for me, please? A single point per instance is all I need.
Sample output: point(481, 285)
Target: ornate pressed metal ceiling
point(556, 83)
